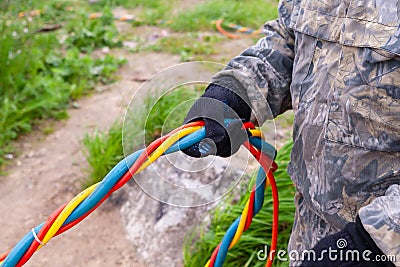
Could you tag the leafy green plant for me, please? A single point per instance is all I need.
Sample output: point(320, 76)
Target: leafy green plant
point(88, 34)
point(199, 247)
point(21, 65)
point(82, 72)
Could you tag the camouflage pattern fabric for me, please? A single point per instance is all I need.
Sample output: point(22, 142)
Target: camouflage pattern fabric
point(337, 65)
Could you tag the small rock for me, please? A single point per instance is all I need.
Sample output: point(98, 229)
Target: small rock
point(139, 79)
point(27, 145)
point(9, 156)
point(105, 50)
point(76, 105)
point(130, 44)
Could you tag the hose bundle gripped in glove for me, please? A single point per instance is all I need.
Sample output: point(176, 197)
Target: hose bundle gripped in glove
point(218, 105)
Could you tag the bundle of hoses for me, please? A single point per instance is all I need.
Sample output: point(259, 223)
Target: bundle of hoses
point(73, 212)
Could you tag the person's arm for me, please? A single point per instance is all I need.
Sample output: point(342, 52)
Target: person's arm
point(258, 78)
point(263, 72)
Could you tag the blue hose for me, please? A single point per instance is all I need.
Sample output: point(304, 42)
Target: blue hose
point(270, 152)
point(228, 237)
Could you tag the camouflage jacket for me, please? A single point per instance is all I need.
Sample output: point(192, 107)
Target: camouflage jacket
point(337, 65)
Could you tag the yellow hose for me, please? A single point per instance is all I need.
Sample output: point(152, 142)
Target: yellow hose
point(241, 225)
point(65, 213)
point(167, 144)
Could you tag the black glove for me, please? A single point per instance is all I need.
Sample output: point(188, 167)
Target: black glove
point(343, 246)
point(215, 105)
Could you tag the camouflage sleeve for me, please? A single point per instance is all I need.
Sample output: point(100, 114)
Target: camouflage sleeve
point(381, 219)
point(263, 71)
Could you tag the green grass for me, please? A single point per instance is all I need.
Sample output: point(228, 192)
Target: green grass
point(148, 4)
point(199, 247)
point(286, 119)
point(103, 150)
point(155, 15)
point(189, 45)
point(163, 116)
point(246, 13)
point(42, 71)
point(155, 117)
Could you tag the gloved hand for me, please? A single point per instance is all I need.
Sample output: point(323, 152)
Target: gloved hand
point(215, 105)
point(351, 247)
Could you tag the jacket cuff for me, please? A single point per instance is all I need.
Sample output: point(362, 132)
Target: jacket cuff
point(381, 219)
point(246, 88)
